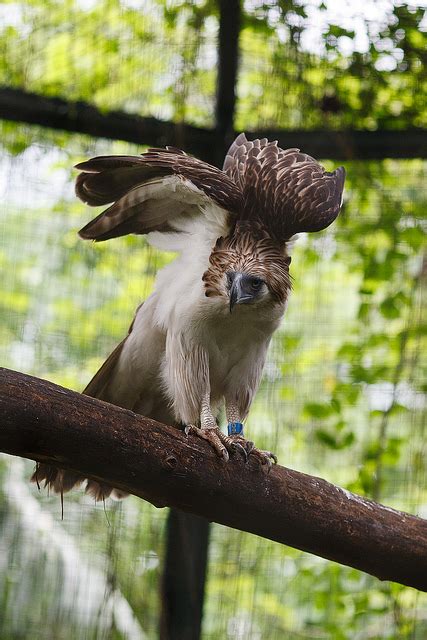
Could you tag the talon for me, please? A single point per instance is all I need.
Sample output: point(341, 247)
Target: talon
point(189, 428)
point(239, 447)
point(226, 445)
point(250, 446)
point(265, 458)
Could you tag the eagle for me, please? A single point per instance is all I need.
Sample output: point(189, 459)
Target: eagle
point(199, 341)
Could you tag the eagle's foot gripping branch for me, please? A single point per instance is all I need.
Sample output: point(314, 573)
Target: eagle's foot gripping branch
point(213, 435)
point(239, 443)
point(225, 446)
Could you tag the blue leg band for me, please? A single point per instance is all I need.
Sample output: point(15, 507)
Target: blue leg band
point(235, 429)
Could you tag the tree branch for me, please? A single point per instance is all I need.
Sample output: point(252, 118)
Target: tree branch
point(48, 423)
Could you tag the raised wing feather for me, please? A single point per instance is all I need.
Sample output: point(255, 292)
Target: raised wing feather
point(286, 190)
point(97, 385)
point(152, 192)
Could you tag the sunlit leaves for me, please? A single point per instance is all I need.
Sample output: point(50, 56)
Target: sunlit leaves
point(342, 394)
point(160, 59)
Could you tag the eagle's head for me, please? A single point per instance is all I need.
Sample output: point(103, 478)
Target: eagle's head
point(248, 268)
point(246, 288)
point(279, 193)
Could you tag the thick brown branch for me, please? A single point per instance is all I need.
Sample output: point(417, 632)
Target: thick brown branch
point(81, 117)
point(44, 422)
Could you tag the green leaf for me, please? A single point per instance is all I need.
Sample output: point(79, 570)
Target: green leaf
point(334, 442)
point(389, 308)
point(413, 236)
point(326, 438)
point(318, 410)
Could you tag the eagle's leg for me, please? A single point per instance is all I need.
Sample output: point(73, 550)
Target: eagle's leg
point(236, 440)
point(209, 429)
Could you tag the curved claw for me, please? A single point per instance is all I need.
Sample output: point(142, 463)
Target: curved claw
point(213, 436)
point(190, 428)
point(250, 446)
point(238, 447)
point(224, 445)
point(265, 458)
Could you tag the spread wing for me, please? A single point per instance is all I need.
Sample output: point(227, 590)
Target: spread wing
point(286, 190)
point(161, 190)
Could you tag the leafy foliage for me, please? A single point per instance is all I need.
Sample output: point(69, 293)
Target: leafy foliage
point(341, 396)
point(158, 57)
point(343, 392)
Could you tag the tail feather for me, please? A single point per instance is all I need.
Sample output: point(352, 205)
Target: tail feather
point(118, 494)
point(98, 490)
point(61, 481)
point(45, 474)
point(68, 480)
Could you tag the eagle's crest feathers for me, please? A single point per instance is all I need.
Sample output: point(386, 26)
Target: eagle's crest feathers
point(286, 190)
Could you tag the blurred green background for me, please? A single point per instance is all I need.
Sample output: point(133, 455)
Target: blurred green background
point(343, 390)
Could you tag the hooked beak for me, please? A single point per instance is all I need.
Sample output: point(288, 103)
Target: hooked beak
point(238, 292)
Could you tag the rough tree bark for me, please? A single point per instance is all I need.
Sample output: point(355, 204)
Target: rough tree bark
point(45, 422)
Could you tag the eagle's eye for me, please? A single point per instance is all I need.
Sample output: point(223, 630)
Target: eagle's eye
point(255, 283)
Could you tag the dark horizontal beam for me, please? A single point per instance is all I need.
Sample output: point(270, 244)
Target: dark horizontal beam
point(50, 424)
point(353, 144)
point(81, 117)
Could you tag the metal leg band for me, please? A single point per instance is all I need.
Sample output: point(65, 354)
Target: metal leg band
point(235, 429)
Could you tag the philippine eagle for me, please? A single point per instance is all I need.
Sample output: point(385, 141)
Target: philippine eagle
point(201, 338)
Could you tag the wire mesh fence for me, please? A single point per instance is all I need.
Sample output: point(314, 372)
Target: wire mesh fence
point(321, 407)
point(159, 58)
point(342, 395)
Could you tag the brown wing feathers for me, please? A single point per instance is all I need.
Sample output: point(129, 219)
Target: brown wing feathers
point(138, 207)
point(101, 183)
point(287, 191)
point(209, 179)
